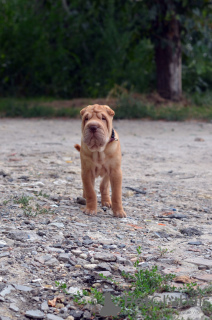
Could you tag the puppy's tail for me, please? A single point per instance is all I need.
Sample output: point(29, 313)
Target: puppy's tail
point(77, 146)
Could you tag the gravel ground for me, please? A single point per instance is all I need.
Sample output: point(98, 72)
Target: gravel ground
point(45, 237)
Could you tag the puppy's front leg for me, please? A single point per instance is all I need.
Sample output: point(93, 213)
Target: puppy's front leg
point(89, 193)
point(116, 186)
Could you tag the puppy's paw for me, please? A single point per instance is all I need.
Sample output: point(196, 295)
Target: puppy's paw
point(90, 212)
point(106, 203)
point(119, 213)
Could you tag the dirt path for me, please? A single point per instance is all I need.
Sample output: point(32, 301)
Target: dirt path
point(45, 237)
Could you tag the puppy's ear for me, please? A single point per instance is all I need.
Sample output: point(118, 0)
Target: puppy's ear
point(83, 111)
point(109, 111)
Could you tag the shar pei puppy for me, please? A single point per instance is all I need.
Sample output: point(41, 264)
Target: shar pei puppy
point(100, 154)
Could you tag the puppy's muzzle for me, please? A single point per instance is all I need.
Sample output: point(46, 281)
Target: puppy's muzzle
point(93, 128)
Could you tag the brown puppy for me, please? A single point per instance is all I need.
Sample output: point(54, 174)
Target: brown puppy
point(100, 154)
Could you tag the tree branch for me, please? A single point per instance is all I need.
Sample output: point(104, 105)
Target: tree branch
point(66, 7)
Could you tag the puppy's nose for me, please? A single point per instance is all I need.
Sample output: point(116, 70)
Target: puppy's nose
point(93, 128)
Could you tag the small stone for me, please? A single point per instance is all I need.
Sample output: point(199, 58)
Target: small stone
point(195, 243)
point(4, 254)
point(176, 216)
point(104, 266)
point(64, 257)
point(74, 290)
point(22, 288)
point(34, 314)
point(18, 236)
point(83, 256)
point(81, 200)
point(69, 318)
point(86, 314)
point(77, 252)
point(7, 290)
point(59, 305)
point(52, 262)
point(13, 307)
point(44, 306)
point(191, 231)
point(127, 269)
point(76, 314)
point(104, 273)
point(200, 261)
point(202, 267)
point(105, 257)
point(59, 225)
point(53, 317)
point(90, 266)
point(194, 313)
point(2, 244)
point(204, 277)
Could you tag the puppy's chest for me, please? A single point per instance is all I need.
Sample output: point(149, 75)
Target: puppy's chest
point(101, 165)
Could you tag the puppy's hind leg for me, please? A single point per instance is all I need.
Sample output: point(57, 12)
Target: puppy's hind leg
point(105, 191)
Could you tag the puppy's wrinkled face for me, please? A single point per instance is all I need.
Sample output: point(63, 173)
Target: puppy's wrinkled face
point(96, 126)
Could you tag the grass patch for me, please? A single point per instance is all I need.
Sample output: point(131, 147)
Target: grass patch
point(138, 302)
point(32, 109)
point(126, 105)
point(30, 207)
point(132, 108)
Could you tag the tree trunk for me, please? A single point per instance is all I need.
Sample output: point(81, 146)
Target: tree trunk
point(168, 63)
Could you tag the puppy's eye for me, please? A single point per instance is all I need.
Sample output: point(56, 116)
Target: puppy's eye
point(86, 118)
point(103, 118)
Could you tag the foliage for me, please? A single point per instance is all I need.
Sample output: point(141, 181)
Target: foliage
point(86, 47)
point(131, 108)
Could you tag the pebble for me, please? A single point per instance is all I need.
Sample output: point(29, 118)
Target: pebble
point(105, 257)
point(195, 243)
point(34, 314)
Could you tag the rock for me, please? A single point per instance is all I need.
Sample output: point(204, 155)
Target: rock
point(64, 257)
point(104, 266)
point(191, 232)
point(86, 314)
point(6, 290)
point(83, 256)
point(74, 290)
point(34, 314)
point(194, 313)
point(53, 317)
point(13, 307)
point(176, 216)
point(52, 262)
point(57, 224)
point(104, 273)
point(105, 257)
point(204, 277)
point(18, 236)
point(76, 314)
point(90, 266)
point(127, 269)
point(4, 254)
point(2, 244)
point(58, 250)
point(161, 234)
point(22, 288)
point(195, 243)
point(200, 261)
point(81, 200)
point(44, 306)
point(77, 252)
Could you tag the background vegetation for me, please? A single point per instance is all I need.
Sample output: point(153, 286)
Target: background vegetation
point(83, 48)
